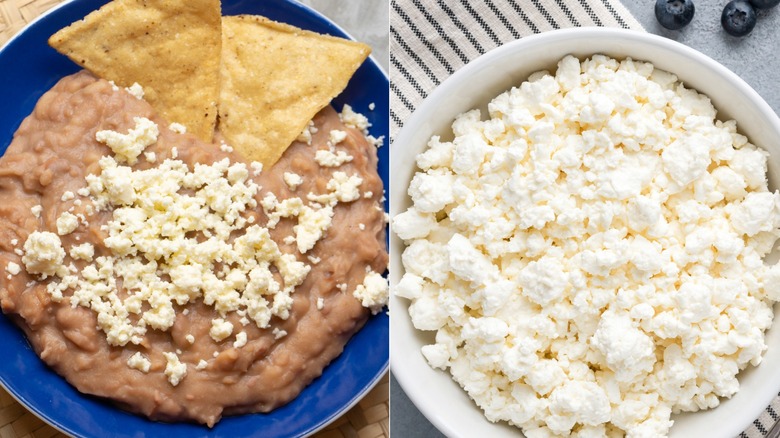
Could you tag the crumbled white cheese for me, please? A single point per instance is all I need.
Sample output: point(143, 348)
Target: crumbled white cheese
point(361, 123)
point(373, 293)
point(378, 142)
point(175, 370)
point(127, 147)
point(336, 136)
point(240, 340)
point(312, 224)
point(305, 135)
point(85, 251)
point(289, 240)
point(256, 167)
point(190, 338)
point(341, 187)
point(371, 106)
point(177, 128)
point(202, 364)
point(136, 90)
point(139, 362)
point(36, 210)
point(43, 254)
point(320, 303)
point(220, 329)
point(13, 268)
point(150, 156)
point(278, 333)
point(293, 180)
point(590, 255)
point(329, 158)
point(67, 223)
point(225, 148)
point(67, 196)
point(354, 120)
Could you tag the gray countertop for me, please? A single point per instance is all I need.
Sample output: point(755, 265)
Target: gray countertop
point(755, 58)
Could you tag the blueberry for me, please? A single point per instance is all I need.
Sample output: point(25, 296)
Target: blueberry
point(739, 18)
point(674, 14)
point(764, 4)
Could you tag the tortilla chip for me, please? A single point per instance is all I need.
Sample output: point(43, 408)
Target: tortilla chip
point(170, 47)
point(274, 79)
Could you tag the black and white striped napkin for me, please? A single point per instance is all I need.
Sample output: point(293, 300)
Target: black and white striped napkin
point(431, 39)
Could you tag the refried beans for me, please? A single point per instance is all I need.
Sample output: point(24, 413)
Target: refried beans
point(52, 153)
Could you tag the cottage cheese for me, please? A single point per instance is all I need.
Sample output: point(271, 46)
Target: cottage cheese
point(590, 254)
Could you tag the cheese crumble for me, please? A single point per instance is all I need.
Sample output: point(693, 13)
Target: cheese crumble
point(175, 370)
point(136, 90)
point(13, 268)
point(127, 147)
point(330, 158)
point(373, 292)
point(43, 254)
point(67, 223)
point(139, 362)
point(293, 180)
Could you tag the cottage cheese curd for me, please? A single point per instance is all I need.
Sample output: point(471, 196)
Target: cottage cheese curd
point(590, 255)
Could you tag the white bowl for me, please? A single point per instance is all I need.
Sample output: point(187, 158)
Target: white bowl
point(439, 397)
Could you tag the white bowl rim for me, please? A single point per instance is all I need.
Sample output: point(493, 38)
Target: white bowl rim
point(404, 375)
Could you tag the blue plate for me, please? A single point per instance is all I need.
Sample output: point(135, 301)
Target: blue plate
point(29, 67)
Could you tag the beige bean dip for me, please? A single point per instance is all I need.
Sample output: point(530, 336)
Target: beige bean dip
point(166, 274)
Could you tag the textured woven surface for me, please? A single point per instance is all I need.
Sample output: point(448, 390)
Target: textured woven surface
point(15, 14)
point(368, 419)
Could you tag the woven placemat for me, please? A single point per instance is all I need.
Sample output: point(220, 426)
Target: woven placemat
point(368, 419)
point(15, 14)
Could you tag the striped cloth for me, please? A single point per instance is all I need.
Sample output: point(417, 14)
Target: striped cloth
point(432, 39)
